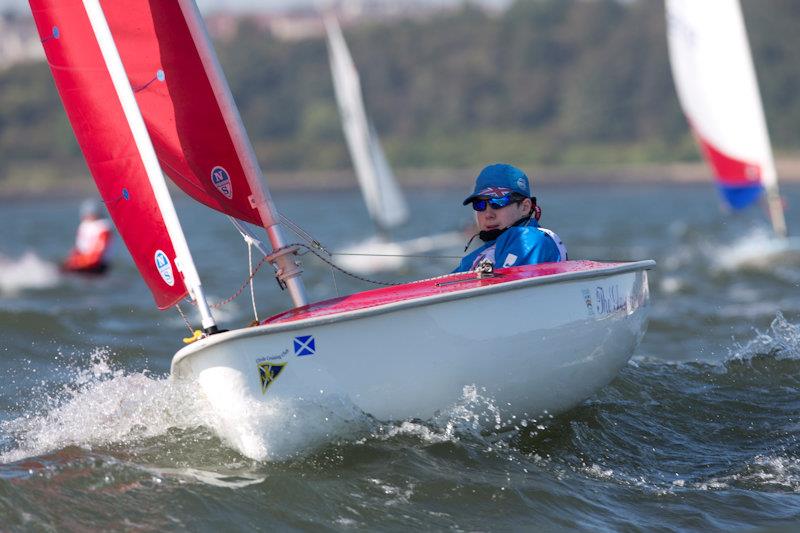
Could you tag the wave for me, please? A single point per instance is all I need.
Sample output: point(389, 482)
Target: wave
point(28, 271)
point(672, 426)
point(101, 406)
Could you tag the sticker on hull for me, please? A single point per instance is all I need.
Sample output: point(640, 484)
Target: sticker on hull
point(304, 345)
point(268, 373)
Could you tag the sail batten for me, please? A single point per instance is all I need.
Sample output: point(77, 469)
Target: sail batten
point(717, 87)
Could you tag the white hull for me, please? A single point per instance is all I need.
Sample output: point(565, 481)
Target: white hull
point(543, 343)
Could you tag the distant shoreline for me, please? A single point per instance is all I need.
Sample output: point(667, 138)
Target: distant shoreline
point(435, 178)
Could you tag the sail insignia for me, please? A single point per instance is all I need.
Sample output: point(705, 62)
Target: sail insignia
point(222, 181)
point(164, 267)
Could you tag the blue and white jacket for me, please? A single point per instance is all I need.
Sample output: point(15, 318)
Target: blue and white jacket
point(518, 245)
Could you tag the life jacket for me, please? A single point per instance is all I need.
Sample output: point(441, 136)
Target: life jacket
point(92, 238)
point(562, 249)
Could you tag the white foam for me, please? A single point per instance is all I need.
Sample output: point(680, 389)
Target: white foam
point(672, 284)
point(287, 429)
point(758, 249)
point(103, 405)
point(783, 472)
point(28, 271)
point(782, 337)
point(765, 472)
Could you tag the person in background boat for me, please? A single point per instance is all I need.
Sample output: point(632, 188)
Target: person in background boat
point(92, 242)
point(508, 220)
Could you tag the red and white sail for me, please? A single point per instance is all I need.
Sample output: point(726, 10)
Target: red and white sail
point(718, 90)
point(166, 59)
point(108, 145)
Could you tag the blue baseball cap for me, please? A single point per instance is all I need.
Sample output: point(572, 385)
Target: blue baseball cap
point(498, 180)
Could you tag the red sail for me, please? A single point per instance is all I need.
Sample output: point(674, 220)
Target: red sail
point(105, 138)
point(179, 106)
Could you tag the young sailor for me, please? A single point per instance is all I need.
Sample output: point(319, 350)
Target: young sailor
point(92, 242)
point(508, 220)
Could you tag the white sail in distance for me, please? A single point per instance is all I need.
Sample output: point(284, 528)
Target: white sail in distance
point(718, 90)
point(384, 199)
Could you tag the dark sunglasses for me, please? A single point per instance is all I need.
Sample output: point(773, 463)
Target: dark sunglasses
point(495, 203)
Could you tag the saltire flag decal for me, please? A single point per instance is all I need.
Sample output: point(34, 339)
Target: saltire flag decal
point(304, 345)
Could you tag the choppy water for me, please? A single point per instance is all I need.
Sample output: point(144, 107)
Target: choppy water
point(699, 432)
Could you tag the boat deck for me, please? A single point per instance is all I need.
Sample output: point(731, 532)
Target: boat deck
point(431, 287)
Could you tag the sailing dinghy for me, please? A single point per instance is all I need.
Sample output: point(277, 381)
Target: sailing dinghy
point(385, 202)
point(144, 92)
point(718, 90)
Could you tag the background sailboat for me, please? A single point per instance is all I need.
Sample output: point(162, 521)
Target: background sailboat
point(717, 87)
point(385, 202)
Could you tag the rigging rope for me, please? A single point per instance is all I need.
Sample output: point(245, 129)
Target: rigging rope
point(399, 255)
point(185, 320)
point(312, 247)
point(249, 241)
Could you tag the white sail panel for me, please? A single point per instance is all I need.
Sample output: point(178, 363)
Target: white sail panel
point(383, 197)
point(716, 82)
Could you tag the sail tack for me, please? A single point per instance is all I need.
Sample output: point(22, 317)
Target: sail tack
point(717, 87)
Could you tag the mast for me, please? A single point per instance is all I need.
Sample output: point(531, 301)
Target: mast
point(288, 268)
point(144, 145)
point(775, 204)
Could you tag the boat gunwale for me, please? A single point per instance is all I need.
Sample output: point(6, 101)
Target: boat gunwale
point(375, 310)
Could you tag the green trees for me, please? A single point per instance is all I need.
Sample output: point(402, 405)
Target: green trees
point(547, 81)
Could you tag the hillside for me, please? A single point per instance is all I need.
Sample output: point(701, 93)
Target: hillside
point(546, 83)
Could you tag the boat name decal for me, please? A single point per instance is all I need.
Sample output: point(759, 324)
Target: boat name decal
point(608, 300)
point(222, 181)
point(164, 267)
point(278, 357)
point(268, 373)
point(304, 345)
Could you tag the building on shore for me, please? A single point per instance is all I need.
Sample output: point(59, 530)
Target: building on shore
point(19, 42)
